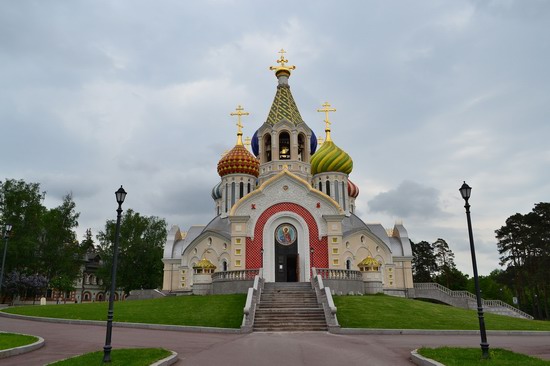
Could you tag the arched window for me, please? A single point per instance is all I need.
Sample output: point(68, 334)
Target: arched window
point(232, 194)
point(327, 186)
point(284, 146)
point(348, 264)
point(226, 196)
point(267, 147)
point(336, 192)
point(301, 147)
point(249, 188)
point(241, 190)
point(224, 265)
point(321, 186)
point(344, 195)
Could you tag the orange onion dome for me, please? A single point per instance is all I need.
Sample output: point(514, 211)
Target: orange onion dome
point(239, 161)
point(353, 190)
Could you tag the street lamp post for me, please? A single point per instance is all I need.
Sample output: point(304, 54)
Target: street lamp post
point(120, 196)
point(465, 191)
point(6, 236)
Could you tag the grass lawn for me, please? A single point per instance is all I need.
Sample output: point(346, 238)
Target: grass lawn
point(389, 312)
point(450, 356)
point(224, 311)
point(119, 357)
point(10, 340)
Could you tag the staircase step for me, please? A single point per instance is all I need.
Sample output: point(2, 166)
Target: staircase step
point(287, 307)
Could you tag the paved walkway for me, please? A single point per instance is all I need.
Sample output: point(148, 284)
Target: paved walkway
point(315, 348)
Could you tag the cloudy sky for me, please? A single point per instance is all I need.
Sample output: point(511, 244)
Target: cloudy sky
point(95, 94)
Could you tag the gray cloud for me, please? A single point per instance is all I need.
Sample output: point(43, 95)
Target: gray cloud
point(409, 199)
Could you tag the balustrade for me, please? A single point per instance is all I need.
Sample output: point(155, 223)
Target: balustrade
point(339, 274)
point(238, 275)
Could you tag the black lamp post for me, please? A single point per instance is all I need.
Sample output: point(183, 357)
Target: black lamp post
point(6, 236)
point(120, 196)
point(465, 191)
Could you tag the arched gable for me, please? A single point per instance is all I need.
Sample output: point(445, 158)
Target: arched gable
point(254, 245)
point(283, 188)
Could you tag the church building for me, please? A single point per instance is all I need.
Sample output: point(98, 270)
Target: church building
point(283, 207)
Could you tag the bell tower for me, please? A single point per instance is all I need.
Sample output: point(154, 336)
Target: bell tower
point(284, 141)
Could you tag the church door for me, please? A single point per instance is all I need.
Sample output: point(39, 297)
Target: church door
point(286, 253)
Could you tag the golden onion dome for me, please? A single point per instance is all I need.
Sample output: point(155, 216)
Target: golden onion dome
point(239, 161)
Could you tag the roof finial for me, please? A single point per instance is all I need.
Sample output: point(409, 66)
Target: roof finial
point(239, 112)
point(326, 108)
point(283, 68)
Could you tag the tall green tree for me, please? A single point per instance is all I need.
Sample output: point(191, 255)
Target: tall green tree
point(524, 247)
point(444, 258)
point(140, 251)
point(60, 253)
point(43, 241)
point(424, 265)
point(21, 206)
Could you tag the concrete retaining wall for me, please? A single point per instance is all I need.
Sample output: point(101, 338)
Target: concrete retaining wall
point(231, 287)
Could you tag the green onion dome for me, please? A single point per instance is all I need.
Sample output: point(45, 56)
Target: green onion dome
point(330, 158)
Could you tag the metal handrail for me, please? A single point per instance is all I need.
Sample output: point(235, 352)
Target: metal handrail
point(463, 294)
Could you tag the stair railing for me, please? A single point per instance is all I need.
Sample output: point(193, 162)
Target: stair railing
point(466, 294)
point(252, 300)
point(324, 297)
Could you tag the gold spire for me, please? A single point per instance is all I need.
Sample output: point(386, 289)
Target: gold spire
point(240, 112)
point(326, 108)
point(282, 60)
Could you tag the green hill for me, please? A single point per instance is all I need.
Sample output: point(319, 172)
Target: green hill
point(226, 311)
point(389, 312)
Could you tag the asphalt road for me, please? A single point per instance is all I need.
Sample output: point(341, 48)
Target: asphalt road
point(308, 348)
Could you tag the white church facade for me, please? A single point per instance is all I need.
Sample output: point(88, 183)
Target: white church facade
point(284, 208)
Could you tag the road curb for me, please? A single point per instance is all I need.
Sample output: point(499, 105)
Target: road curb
point(22, 349)
point(179, 328)
point(420, 360)
point(366, 331)
point(170, 360)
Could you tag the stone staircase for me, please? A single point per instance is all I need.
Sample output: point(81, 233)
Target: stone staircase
point(289, 306)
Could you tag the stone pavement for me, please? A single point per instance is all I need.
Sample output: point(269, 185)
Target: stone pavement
point(307, 348)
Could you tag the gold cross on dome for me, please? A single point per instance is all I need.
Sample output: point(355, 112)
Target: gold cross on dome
point(326, 108)
point(240, 112)
point(282, 60)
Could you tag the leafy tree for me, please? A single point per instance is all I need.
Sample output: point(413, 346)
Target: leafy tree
point(524, 246)
point(63, 284)
point(21, 206)
point(140, 251)
point(60, 253)
point(43, 242)
point(424, 264)
point(20, 284)
point(88, 242)
point(444, 258)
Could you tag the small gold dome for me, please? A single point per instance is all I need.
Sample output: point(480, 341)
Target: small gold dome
point(369, 264)
point(204, 264)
